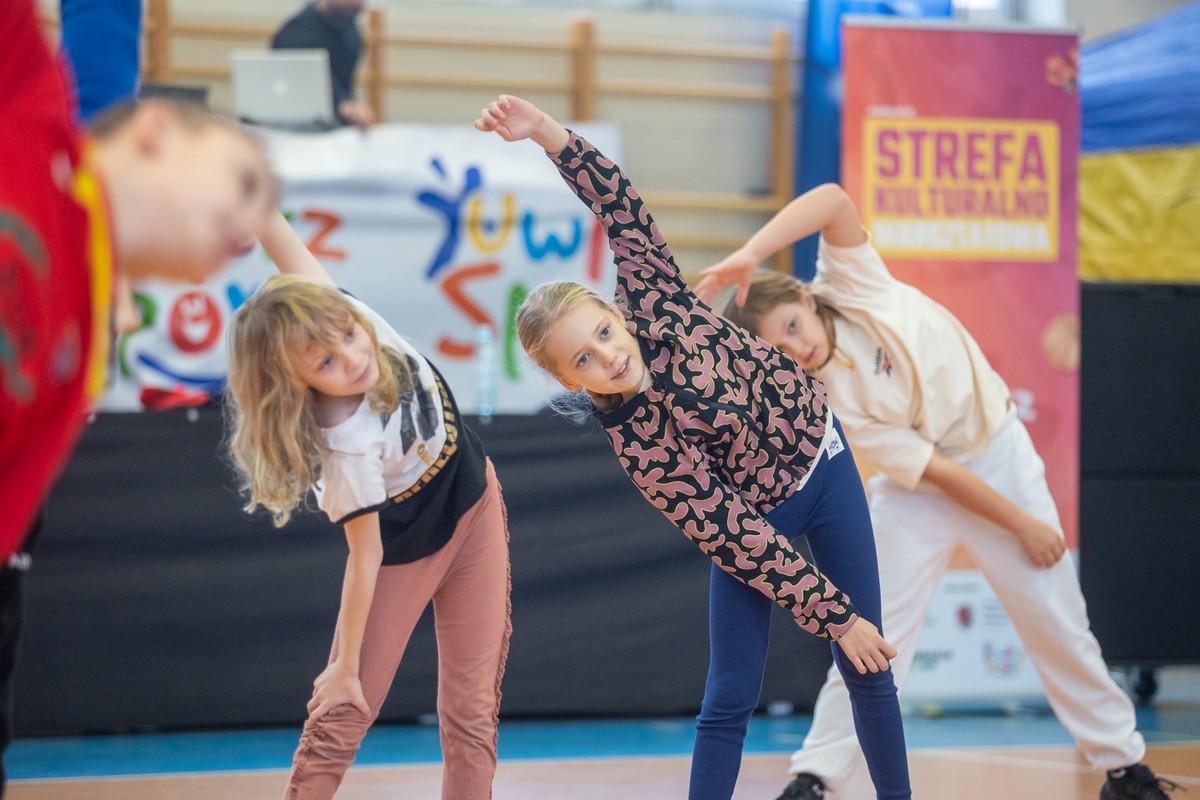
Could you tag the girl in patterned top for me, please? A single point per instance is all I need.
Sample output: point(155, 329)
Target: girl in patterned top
point(734, 444)
point(325, 395)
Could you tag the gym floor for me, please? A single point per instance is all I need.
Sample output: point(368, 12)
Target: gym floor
point(976, 755)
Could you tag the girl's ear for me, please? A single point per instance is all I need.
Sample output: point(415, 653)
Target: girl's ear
point(809, 301)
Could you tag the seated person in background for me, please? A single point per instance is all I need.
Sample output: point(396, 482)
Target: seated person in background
point(330, 26)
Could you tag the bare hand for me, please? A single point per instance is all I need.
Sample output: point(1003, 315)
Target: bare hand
point(866, 649)
point(357, 114)
point(335, 687)
point(1043, 544)
point(736, 268)
point(510, 117)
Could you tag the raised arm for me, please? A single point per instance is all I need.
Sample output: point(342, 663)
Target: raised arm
point(288, 251)
point(827, 210)
point(647, 277)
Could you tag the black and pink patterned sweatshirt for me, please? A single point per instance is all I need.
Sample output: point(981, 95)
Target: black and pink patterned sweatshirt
point(730, 426)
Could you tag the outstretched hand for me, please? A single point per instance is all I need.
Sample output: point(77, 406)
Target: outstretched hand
point(737, 268)
point(513, 119)
point(510, 117)
point(866, 649)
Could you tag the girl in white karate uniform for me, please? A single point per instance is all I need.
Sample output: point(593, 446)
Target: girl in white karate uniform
point(920, 403)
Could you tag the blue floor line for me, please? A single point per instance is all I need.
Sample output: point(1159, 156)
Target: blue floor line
point(144, 754)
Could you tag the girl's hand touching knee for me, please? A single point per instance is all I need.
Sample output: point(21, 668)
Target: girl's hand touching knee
point(336, 687)
point(513, 119)
point(1043, 544)
point(866, 649)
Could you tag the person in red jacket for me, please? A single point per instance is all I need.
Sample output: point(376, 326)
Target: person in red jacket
point(153, 189)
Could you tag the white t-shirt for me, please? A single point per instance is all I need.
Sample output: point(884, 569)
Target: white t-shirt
point(375, 456)
point(907, 377)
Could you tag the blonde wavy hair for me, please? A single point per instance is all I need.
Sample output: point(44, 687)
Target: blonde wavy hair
point(276, 443)
point(543, 307)
point(769, 289)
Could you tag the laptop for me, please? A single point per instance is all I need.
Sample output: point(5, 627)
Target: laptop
point(288, 89)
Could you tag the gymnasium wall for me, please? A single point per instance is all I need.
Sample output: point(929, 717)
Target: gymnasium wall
point(1099, 18)
point(688, 145)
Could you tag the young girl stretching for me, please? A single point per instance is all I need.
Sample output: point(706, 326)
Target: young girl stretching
point(734, 443)
point(326, 395)
point(920, 401)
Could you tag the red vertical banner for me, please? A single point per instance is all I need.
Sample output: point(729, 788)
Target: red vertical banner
point(960, 149)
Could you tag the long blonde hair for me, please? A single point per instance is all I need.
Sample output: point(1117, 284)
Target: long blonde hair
point(276, 442)
point(769, 289)
point(541, 308)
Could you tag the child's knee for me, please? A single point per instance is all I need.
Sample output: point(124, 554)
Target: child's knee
point(474, 731)
point(874, 684)
point(728, 704)
point(338, 730)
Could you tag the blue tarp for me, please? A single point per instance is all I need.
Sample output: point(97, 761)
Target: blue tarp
point(1141, 88)
point(101, 39)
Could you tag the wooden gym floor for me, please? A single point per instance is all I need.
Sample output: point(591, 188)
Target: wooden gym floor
point(961, 756)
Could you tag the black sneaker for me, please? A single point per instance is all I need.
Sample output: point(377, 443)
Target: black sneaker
point(804, 787)
point(1138, 783)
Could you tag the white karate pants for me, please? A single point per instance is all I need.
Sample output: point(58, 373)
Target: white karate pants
point(916, 533)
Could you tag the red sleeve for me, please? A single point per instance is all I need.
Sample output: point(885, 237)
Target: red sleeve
point(45, 306)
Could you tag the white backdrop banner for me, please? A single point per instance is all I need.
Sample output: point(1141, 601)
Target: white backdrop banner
point(968, 652)
point(440, 229)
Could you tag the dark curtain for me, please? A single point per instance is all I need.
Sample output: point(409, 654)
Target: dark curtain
point(155, 603)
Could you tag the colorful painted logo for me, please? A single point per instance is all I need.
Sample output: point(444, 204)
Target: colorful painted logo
point(463, 210)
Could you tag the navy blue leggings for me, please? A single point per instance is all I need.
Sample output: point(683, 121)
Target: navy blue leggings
point(831, 510)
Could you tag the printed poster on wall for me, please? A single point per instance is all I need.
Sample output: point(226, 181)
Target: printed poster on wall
point(441, 229)
point(960, 149)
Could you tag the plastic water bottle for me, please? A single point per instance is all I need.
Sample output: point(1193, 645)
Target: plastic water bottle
point(485, 378)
